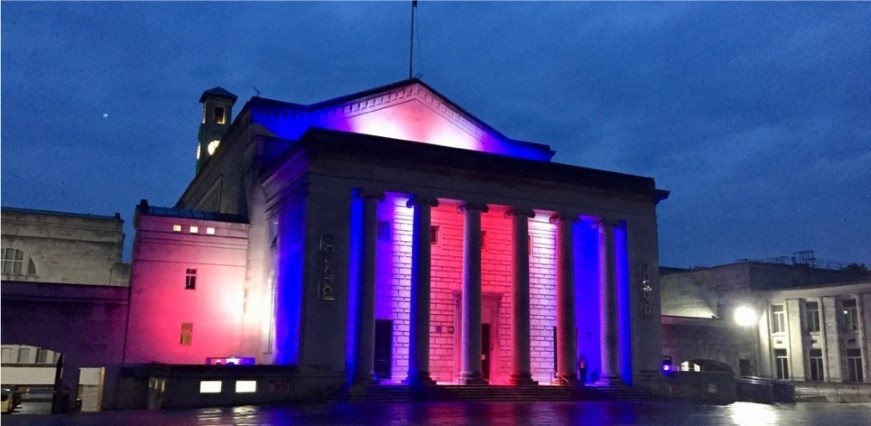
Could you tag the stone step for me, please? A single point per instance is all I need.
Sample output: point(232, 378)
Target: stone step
point(398, 393)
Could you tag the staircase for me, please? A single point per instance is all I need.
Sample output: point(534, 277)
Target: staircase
point(627, 393)
point(401, 393)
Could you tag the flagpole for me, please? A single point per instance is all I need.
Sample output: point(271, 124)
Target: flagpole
point(411, 42)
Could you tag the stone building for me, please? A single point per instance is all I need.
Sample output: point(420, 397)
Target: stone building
point(800, 323)
point(391, 235)
point(62, 279)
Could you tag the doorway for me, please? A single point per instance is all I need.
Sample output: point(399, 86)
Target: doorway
point(485, 351)
point(383, 349)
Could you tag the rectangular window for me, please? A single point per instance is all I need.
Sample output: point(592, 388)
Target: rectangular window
point(815, 357)
point(210, 386)
point(41, 356)
point(195, 229)
point(434, 235)
point(220, 115)
point(176, 228)
point(210, 231)
point(781, 364)
point(24, 356)
point(13, 260)
point(187, 333)
point(383, 230)
point(778, 319)
point(190, 279)
point(246, 386)
point(483, 240)
point(812, 316)
point(854, 365)
point(850, 315)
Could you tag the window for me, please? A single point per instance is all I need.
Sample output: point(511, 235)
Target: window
point(41, 356)
point(220, 116)
point(190, 279)
point(850, 315)
point(383, 230)
point(434, 235)
point(778, 319)
point(812, 316)
point(854, 365)
point(483, 240)
point(210, 231)
point(210, 386)
point(13, 260)
point(187, 331)
point(781, 364)
point(24, 356)
point(195, 229)
point(176, 228)
point(246, 386)
point(816, 365)
point(7, 356)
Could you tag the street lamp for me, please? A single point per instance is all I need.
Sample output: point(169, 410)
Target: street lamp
point(745, 316)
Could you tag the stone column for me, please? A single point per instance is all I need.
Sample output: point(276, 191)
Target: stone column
point(610, 351)
point(364, 356)
point(565, 301)
point(520, 362)
point(418, 349)
point(470, 373)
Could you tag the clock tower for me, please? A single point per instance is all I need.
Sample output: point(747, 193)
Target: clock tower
point(217, 116)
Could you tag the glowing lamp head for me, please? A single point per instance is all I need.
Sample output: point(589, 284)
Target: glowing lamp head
point(745, 316)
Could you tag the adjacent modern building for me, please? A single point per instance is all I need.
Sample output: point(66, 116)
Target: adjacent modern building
point(390, 236)
point(793, 321)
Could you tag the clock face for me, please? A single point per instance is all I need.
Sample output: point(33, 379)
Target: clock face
point(213, 145)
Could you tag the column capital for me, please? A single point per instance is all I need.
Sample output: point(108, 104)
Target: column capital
point(564, 217)
point(365, 193)
point(520, 212)
point(417, 199)
point(481, 207)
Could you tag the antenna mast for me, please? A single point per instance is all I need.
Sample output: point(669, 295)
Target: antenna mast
point(411, 43)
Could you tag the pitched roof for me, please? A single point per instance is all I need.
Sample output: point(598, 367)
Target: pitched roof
point(219, 92)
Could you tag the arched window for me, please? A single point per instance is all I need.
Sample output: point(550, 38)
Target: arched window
point(13, 263)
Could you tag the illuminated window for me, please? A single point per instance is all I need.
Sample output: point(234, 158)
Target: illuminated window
point(778, 319)
point(210, 231)
point(246, 386)
point(210, 386)
point(190, 279)
point(812, 316)
point(434, 235)
point(781, 364)
point(220, 115)
point(815, 359)
point(187, 332)
point(850, 315)
point(854, 365)
point(176, 228)
point(195, 229)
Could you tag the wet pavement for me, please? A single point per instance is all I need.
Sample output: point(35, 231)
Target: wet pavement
point(477, 413)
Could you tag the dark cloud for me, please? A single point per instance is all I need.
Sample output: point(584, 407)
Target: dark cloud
point(755, 115)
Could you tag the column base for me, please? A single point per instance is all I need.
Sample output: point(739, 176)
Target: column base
point(609, 381)
point(421, 378)
point(566, 380)
point(366, 379)
point(472, 378)
point(520, 379)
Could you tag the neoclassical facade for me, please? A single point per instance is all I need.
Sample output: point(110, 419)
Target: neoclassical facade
point(391, 236)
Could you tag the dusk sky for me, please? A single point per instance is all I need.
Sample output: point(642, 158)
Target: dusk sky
point(756, 116)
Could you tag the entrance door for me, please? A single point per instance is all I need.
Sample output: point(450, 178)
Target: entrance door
point(383, 348)
point(485, 351)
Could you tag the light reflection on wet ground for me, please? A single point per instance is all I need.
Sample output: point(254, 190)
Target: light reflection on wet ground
point(478, 413)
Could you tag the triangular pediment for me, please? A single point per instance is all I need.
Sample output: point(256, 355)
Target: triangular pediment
point(408, 110)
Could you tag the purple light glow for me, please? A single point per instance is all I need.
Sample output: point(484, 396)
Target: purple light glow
point(624, 305)
point(288, 303)
point(412, 113)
